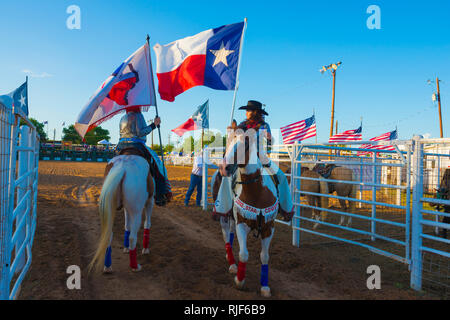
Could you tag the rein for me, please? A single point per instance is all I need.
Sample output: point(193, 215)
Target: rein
point(254, 180)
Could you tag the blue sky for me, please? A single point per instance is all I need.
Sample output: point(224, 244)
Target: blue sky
point(383, 77)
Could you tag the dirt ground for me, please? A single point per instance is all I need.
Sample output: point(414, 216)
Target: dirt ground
point(187, 253)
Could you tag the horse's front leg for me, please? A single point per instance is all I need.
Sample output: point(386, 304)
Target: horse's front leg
point(344, 208)
point(227, 224)
point(242, 231)
point(265, 244)
point(147, 224)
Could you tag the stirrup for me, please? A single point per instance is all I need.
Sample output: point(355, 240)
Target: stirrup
point(160, 200)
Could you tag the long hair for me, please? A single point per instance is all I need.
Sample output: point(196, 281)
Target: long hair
point(256, 116)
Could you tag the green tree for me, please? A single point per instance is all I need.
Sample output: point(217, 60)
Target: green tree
point(188, 145)
point(91, 138)
point(70, 134)
point(39, 128)
point(94, 136)
point(168, 148)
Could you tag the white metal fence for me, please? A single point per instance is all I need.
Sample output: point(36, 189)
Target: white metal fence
point(391, 206)
point(19, 156)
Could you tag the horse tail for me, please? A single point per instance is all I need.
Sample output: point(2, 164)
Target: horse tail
point(324, 200)
point(107, 210)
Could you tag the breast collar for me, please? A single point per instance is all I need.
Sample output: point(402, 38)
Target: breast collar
point(251, 213)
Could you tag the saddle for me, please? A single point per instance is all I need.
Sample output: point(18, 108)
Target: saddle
point(137, 150)
point(325, 171)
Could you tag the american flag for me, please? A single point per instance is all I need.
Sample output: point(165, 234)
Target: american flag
point(299, 131)
point(349, 135)
point(388, 136)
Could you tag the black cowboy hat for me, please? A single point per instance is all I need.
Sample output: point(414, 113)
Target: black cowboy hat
point(254, 105)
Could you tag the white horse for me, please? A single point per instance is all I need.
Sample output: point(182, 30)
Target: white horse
point(254, 201)
point(128, 183)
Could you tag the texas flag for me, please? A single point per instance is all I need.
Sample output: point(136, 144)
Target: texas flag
point(209, 59)
point(131, 84)
point(200, 119)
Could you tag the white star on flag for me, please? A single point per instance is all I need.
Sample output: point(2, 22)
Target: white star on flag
point(22, 100)
point(221, 55)
point(198, 117)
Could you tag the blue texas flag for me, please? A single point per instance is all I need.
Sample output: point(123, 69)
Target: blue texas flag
point(18, 98)
point(201, 116)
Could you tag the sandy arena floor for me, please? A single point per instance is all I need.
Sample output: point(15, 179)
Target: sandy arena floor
point(187, 253)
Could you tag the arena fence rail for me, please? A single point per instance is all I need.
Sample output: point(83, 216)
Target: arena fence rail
point(18, 198)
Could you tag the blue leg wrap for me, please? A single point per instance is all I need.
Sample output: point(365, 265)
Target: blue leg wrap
point(231, 238)
point(108, 261)
point(264, 275)
point(126, 240)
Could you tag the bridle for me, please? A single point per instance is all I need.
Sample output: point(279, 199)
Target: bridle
point(254, 180)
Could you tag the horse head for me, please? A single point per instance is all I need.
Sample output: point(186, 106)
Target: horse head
point(241, 151)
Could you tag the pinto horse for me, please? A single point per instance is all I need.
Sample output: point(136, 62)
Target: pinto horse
point(129, 184)
point(254, 201)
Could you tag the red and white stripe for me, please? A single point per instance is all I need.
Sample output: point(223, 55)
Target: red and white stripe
point(297, 132)
point(346, 136)
point(384, 137)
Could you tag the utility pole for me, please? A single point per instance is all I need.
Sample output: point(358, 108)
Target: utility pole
point(333, 67)
point(439, 104)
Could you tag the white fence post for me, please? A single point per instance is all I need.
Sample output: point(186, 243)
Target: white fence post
point(296, 172)
point(24, 166)
point(6, 124)
point(416, 227)
point(374, 197)
point(205, 162)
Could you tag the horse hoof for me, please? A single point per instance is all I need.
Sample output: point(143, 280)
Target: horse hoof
point(232, 269)
point(139, 268)
point(146, 251)
point(107, 270)
point(239, 284)
point(126, 250)
point(265, 292)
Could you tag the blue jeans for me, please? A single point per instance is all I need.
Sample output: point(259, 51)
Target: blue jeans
point(196, 181)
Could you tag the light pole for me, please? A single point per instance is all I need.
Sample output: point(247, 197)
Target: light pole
point(437, 96)
point(333, 67)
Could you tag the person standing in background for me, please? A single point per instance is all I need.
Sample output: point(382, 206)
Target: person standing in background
point(196, 180)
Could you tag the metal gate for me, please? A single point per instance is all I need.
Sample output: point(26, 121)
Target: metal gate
point(430, 253)
point(19, 156)
point(381, 201)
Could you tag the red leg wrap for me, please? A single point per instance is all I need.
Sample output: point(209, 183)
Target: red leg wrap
point(241, 270)
point(133, 259)
point(146, 239)
point(230, 254)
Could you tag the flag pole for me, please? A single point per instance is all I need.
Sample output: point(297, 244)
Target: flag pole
point(154, 96)
point(236, 85)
